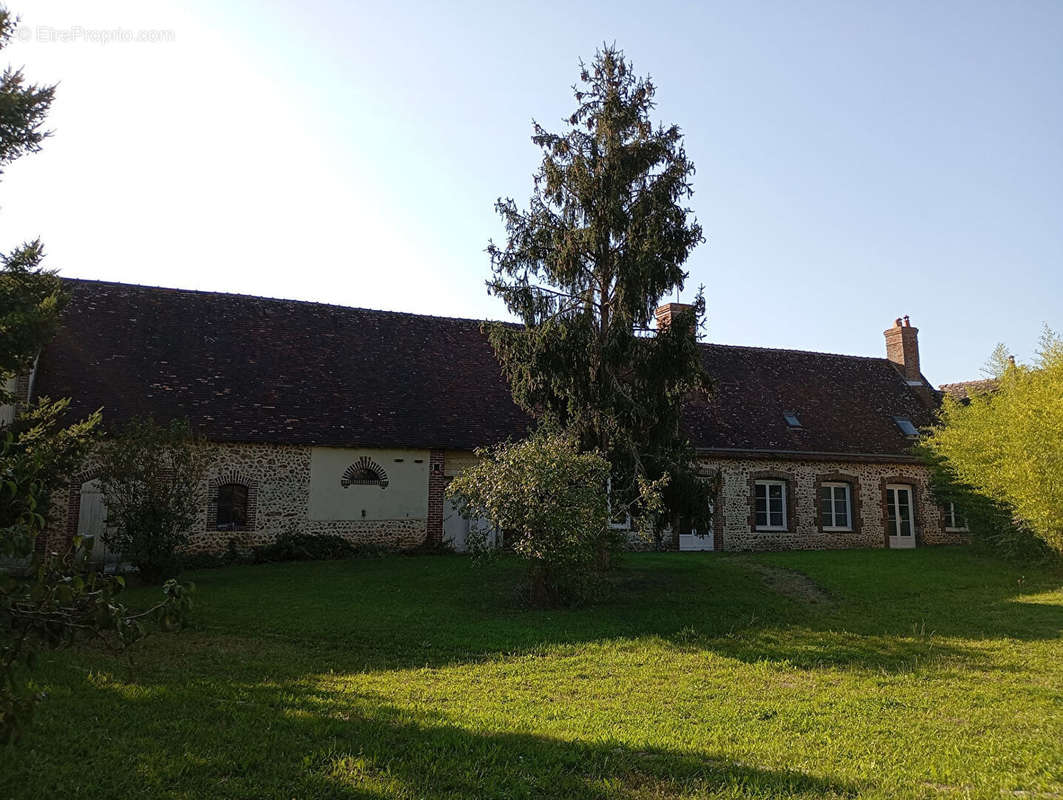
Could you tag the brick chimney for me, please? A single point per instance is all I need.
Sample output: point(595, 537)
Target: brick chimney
point(665, 313)
point(902, 348)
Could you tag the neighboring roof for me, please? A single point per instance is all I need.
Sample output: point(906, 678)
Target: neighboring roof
point(964, 389)
point(253, 369)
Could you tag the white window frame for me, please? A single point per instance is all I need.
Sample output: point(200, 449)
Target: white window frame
point(768, 482)
point(848, 526)
point(907, 539)
point(950, 520)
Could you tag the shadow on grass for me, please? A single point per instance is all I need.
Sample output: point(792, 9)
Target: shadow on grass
point(236, 708)
point(886, 611)
point(286, 742)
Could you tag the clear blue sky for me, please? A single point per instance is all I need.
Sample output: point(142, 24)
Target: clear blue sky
point(856, 161)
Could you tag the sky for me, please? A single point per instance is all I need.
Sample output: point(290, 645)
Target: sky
point(856, 161)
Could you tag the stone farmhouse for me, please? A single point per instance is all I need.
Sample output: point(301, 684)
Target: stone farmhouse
point(335, 420)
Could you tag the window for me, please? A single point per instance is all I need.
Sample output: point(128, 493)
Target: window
point(365, 472)
point(835, 507)
point(791, 419)
point(954, 518)
point(770, 506)
point(906, 426)
point(232, 507)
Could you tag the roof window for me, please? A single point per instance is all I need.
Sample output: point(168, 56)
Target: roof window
point(791, 419)
point(906, 426)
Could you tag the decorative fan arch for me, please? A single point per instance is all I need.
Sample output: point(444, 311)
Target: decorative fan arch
point(364, 472)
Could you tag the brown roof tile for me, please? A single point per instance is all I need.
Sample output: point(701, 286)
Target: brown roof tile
point(252, 369)
point(964, 389)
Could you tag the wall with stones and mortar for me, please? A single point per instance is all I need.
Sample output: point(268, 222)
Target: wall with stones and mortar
point(278, 479)
point(735, 507)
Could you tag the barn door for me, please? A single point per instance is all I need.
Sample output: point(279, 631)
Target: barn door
point(455, 527)
point(92, 522)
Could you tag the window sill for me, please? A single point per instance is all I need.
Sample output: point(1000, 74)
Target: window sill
point(771, 530)
point(957, 530)
point(836, 530)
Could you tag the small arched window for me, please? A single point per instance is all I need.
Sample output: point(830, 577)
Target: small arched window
point(232, 507)
point(364, 472)
point(364, 475)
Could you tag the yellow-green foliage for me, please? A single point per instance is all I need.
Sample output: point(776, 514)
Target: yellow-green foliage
point(1008, 443)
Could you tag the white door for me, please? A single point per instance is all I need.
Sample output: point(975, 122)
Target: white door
point(900, 516)
point(692, 541)
point(456, 529)
point(92, 522)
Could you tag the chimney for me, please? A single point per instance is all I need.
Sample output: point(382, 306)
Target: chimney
point(666, 312)
point(902, 348)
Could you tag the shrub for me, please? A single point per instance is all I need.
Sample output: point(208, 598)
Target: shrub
point(312, 547)
point(1007, 444)
point(993, 524)
point(150, 476)
point(203, 561)
point(550, 502)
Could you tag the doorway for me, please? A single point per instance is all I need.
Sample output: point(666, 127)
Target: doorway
point(900, 516)
point(92, 523)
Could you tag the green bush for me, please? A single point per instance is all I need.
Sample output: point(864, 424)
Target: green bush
point(150, 473)
point(312, 547)
point(550, 501)
point(1007, 444)
point(994, 527)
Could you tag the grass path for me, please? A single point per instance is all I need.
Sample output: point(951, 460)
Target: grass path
point(932, 673)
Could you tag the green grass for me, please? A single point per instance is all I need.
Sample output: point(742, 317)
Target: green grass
point(931, 673)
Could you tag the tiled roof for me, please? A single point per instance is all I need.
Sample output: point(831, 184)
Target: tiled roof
point(845, 404)
point(964, 389)
point(252, 369)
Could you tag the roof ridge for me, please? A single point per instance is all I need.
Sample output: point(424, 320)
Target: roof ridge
point(790, 350)
point(211, 292)
point(970, 382)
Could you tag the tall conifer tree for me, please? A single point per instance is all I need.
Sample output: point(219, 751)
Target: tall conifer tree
point(602, 242)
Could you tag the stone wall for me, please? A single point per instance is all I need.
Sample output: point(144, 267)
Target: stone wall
point(735, 524)
point(278, 480)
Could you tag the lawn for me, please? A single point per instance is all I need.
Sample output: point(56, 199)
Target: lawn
point(878, 674)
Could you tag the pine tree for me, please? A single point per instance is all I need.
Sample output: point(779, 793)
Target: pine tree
point(585, 265)
point(55, 598)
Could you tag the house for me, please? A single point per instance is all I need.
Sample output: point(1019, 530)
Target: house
point(328, 419)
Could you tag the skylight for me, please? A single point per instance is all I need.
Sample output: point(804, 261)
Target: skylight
point(791, 419)
point(906, 426)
